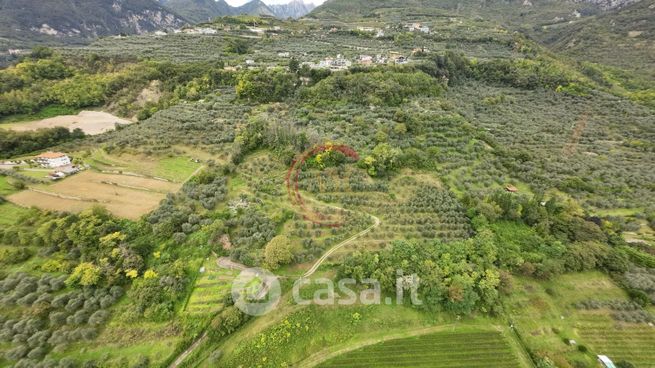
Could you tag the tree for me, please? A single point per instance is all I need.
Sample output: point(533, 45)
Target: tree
point(265, 86)
point(278, 251)
point(85, 274)
point(294, 65)
point(382, 160)
point(237, 46)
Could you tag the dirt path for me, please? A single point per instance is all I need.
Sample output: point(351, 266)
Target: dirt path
point(335, 248)
point(196, 171)
point(188, 351)
point(326, 255)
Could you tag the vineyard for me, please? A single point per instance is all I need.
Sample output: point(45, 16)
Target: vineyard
point(620, 341)
point(443, 349)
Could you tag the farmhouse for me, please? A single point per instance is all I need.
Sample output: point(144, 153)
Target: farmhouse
point(52, 159)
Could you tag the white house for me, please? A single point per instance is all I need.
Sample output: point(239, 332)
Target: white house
point(53, 159)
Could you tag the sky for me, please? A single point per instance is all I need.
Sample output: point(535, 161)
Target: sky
point(241, 2)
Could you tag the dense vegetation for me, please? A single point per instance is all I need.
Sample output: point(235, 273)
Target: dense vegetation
point(20, 143)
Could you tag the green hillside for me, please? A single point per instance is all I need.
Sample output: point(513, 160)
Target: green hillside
point(426, 184)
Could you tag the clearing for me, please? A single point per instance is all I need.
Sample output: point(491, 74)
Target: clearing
point(90, 122)
point(123, 195)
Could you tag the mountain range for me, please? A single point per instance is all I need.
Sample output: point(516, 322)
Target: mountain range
point(197, 11)
point(74, 21)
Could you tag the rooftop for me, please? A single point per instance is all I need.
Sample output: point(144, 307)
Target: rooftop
point(51, 155)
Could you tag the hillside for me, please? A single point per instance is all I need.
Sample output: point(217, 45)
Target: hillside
point(198, 11)
point(517, 13)
point(75, 20)
point(623, 39)
point(254, 7)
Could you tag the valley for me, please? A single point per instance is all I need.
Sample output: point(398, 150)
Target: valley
point(408, 183)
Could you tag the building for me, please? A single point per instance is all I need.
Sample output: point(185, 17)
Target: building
point(413, 26)
point(283, 54)
point(338, 63)
point(605, 361)
point(53, 159)
point(400, 60)
point(366, 60)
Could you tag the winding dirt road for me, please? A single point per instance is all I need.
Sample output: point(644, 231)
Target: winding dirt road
point(225, 262)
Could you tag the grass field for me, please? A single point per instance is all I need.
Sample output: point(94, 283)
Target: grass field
point(544, 314)
point(9, 213)
point(173, 168)
point(123, 195)
point(305, 337)
point(127, 342)
point(442, 349)
point(211, 286)
point(46, 112)
point(5, 186)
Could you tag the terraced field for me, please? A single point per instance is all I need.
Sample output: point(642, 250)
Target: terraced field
point(443, 349)
point(211, 286)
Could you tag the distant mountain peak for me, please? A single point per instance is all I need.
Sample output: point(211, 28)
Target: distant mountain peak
point(198, 11)
point(294, 9)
